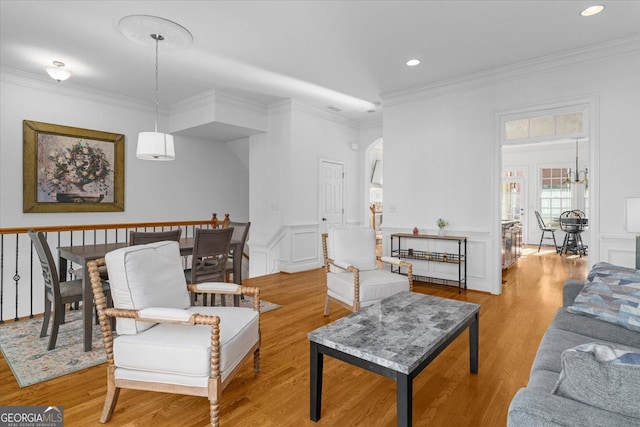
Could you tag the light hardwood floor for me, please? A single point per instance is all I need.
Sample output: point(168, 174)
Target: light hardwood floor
point(445, 393)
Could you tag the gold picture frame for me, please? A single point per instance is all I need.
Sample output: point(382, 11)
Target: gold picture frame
point(68, 169)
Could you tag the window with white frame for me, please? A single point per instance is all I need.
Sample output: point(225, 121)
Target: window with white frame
point(555, 194)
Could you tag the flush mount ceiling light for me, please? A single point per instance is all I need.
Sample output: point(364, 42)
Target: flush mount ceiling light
point(592, 10)
point(151, 30)
point(58, 72)
point(413, 62)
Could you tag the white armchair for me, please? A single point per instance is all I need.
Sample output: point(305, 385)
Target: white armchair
point(163, 343)
point(353, 277)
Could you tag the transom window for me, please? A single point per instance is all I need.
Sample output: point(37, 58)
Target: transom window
point(558, 125)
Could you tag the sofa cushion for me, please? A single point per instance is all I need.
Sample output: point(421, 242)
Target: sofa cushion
point(603, 376)
point(131, 271)
point(531, 408)
point(611, 294)
point(594, 328)
point(184, 350)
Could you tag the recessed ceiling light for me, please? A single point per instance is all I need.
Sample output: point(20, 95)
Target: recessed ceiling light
point(592, 10)
point(413, 62)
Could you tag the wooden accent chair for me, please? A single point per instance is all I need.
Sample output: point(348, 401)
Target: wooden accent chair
point(353, 277)
point(209, 262)
point(164, 344)
point(144, 237)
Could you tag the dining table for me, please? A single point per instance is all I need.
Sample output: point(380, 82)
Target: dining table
point(84, 254)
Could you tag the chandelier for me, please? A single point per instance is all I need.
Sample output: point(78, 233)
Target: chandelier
point(578, 176)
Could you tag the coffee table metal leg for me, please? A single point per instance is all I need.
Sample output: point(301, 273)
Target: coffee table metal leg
point(316, 362)
point(474, 337)
point(404, 399)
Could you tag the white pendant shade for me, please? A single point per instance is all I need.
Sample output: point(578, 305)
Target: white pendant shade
point(155, 146)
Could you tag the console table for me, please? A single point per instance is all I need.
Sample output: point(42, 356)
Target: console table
point(404, 249)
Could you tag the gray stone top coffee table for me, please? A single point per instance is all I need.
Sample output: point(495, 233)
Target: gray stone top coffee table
point(397, 338)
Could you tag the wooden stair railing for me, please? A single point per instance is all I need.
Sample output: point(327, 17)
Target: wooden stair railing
point(17, 257)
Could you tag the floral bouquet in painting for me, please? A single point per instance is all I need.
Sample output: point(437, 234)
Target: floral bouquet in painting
point(76, 172)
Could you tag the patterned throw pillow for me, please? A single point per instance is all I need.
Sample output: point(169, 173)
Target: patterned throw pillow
point(603, 376)
point(611, 294)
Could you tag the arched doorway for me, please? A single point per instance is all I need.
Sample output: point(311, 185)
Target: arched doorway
point(374, 183)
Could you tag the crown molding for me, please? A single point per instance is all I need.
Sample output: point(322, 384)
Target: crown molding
point(45, 84)
point(371, 124)
point(323, 114)
point(216, 97)
point(514, 71)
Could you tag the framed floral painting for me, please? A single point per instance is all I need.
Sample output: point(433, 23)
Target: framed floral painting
point(67, 169)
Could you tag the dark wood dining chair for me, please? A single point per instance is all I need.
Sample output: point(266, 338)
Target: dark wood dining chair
point(209, 259)
point(240, 233)
point(144, 237)
point(57, 294)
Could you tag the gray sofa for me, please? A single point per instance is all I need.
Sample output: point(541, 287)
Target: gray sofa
point(539, 404)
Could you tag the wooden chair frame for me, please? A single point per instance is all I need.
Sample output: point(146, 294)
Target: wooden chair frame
point(215, 384)
point(144, 237)
point(328, 263)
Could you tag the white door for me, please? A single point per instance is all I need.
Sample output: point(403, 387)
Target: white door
point(514, 202)
point(331, 194)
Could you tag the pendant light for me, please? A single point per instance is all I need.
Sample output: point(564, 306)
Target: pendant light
point(151, 30)
point(155, 145)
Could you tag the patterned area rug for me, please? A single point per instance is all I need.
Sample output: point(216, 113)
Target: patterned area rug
point(27, 356)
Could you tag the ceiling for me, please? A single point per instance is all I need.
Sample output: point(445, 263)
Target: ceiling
point(343, 54)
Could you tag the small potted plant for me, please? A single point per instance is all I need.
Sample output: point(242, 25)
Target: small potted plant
point(441, 225)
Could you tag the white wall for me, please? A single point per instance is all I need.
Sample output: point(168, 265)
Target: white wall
point(441, 153)
point(206, 177)
point(285, 185)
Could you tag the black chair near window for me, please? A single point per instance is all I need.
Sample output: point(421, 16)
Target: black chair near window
point(546, 229)
point(573, 223)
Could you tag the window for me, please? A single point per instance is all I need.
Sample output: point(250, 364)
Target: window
point(555, 194)
point(566, 124)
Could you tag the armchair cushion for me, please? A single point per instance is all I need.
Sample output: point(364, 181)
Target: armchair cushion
point(166, 314)
point(355, 246)
point(217, 287)
point(170, 351)
point(130, 271)
point(374, 286)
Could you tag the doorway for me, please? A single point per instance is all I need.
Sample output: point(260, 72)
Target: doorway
point(374, 184)
point(554, 124)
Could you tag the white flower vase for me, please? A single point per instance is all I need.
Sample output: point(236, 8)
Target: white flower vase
point(441, 232)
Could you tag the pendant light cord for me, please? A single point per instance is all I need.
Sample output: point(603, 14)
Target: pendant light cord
point(157, 38)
